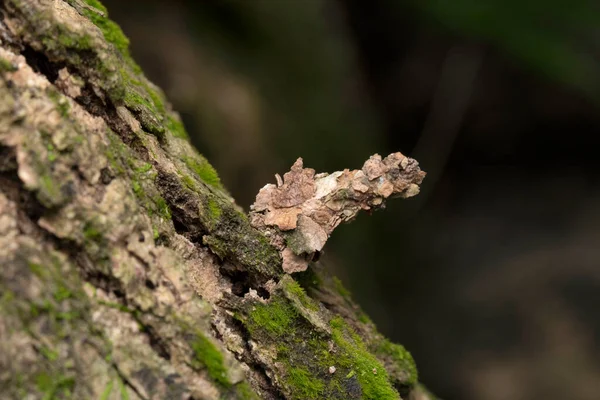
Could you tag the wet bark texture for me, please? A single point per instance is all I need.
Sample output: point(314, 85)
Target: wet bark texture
point(126, 269)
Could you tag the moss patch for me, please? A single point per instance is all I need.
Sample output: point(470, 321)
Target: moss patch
point(67, 40)
point(110, 68)
point(307, 354)
point(213, 208)
point(61, 102)
point(304, 384)
point(340, 288)
point(275, 317)
point(370, 373)
point(117, 153)
point(141, 174)
point(208, 356)
point(162, 207)
point(107, 390)
point(48, 313)
point(402, 365)
point(123, 390)
point(292, 288)
point(233, 238)
point(7, 66)
point(98, 14)
point(204, 171)
point(92, 232)
point(176, 128)
point(54, 388)
point(245, 392)
point(49, 193)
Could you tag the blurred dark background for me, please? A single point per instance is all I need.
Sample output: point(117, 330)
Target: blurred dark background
point(491, 276)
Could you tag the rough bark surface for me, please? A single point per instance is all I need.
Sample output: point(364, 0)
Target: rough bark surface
point(126, 269)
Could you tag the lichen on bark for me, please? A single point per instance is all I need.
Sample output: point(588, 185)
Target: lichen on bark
point(128, 270)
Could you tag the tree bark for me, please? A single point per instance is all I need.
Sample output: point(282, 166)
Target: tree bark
point(126, 269)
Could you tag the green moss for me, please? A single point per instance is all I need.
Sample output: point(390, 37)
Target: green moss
point(246, 245)
point(141, 176)
point(176, 128)
point(43, 382)
point(303, 385)
point(62, 305)
point(133, 99)
point(307, 354)
point(217, 246)
point(308, 279)
point(157, 99)
point(49, 193)
point(123, 390)
point(364, 318)
point(154, 96)
point(36, 269)
point(91, 232)
point(143, 168)
point(146, 102)
point(107, 390)
point(109, 68)
point(120, 307)
point(61, 102)
point(292, 288)
point(214, 209)
point(275, 317)
point(211, 212)
point(231, 237)
point(64, 44)
point(150, 121)
point(235, 239)
point(48, 353)
point(54, 387)
point(36, 309)
point(111, 31)
point(137, 188)
point(6, 299)
point(116, 152)
point(340, 289)
point(68, 316)
point(7, 66)
point(402, 360)
point(245, 392)
point(97, 5)
point(370, 373)
point(51, 153)
point(162, 207)
point(188, 181)
point(208, 356)
point(62, 293)
point(59, 290)
point(69, 40)
point(204, 171)
point(114, 71)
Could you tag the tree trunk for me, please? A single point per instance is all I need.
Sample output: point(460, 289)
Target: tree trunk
point(126, 269)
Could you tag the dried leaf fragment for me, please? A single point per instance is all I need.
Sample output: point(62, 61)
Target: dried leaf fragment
point(299, 212)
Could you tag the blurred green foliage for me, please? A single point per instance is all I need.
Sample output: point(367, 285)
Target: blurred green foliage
point(304, 66)
point(558, 39)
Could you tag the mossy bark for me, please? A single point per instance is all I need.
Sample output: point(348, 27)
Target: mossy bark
point(127, 271)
